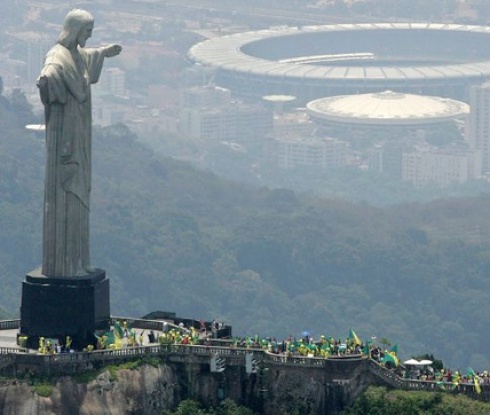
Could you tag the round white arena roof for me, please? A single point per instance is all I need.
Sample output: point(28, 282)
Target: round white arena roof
point(387, 108)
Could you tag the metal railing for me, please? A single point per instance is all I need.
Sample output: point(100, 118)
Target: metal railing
point(390, 377)
point(233, 355)
point(9, 324)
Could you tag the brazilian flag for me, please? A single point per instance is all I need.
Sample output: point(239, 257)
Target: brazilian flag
point(109, 338)
point(118, 330)
point(391, 359)
point(476, 379)
point(353, 337)
point(367, 347)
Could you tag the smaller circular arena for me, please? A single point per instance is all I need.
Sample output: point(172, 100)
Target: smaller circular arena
point(386, 109)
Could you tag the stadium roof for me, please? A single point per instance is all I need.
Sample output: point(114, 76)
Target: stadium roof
point(227, 53)
point(387, 108)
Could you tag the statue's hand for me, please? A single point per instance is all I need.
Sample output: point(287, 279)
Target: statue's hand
point(112, 50)
point(42, 82)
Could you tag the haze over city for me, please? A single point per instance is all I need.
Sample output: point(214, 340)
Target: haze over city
point(184, 107)
point(292, 182)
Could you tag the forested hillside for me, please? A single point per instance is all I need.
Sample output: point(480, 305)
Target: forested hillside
point(380, 401)
point(269, 262)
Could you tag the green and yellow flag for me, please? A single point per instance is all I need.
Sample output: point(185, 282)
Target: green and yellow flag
point(353, 337)
point(476, 379)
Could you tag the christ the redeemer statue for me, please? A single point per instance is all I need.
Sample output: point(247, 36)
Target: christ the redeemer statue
point(64, 86)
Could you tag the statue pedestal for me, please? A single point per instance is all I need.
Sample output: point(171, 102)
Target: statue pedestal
point(56, 307)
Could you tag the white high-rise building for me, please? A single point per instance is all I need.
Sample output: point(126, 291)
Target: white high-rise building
point(312, 152)
point(442, 167)
point(209, 113)
point(237, 122)
point(478, 131)
point(116, 81)
point(205, 96)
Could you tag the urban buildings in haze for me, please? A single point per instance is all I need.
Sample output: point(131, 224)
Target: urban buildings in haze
point(478, 131)
point(209, 113)
point(422, 73)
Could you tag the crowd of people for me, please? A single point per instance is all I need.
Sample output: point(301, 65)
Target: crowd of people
point(445, 379)
point(304, 346)
point(122, 335)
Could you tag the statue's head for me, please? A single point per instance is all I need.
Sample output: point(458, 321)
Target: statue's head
point(77, 28)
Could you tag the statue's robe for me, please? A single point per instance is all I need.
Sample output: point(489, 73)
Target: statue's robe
point(65, 92)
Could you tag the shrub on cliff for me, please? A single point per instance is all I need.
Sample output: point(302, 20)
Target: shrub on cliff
point(226, 407)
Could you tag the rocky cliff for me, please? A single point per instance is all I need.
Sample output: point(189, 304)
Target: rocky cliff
point(149, 390)
point(146, 390)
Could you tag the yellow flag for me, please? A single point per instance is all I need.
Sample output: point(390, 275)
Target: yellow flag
point(476, 379)
point(353, 336)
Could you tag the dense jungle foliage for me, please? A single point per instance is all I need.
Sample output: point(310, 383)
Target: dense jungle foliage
point(227, 407)
point(379, 401)
point(270, 262)
point(374, 401)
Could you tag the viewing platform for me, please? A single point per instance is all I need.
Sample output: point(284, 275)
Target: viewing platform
point(18, 361)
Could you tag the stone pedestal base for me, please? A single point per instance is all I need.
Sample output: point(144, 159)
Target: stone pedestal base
point(56, 307)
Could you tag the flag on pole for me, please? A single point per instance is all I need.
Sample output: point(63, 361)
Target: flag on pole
point(353, 337)
point(367, 347)
point(476, 379)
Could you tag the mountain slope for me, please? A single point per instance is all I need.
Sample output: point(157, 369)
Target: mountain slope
point(270, 262)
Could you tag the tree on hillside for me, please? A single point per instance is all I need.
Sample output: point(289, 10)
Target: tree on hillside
point(226, 407)
point(376, 400)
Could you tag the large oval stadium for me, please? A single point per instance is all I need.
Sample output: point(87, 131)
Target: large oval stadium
point(310, 62)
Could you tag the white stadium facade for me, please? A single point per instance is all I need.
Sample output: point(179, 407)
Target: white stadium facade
point(312, 62)
point(386, 109)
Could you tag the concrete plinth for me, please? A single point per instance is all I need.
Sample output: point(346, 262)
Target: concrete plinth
point(56, 307)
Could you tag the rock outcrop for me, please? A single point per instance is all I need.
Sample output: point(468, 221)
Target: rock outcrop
point(148, 390)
